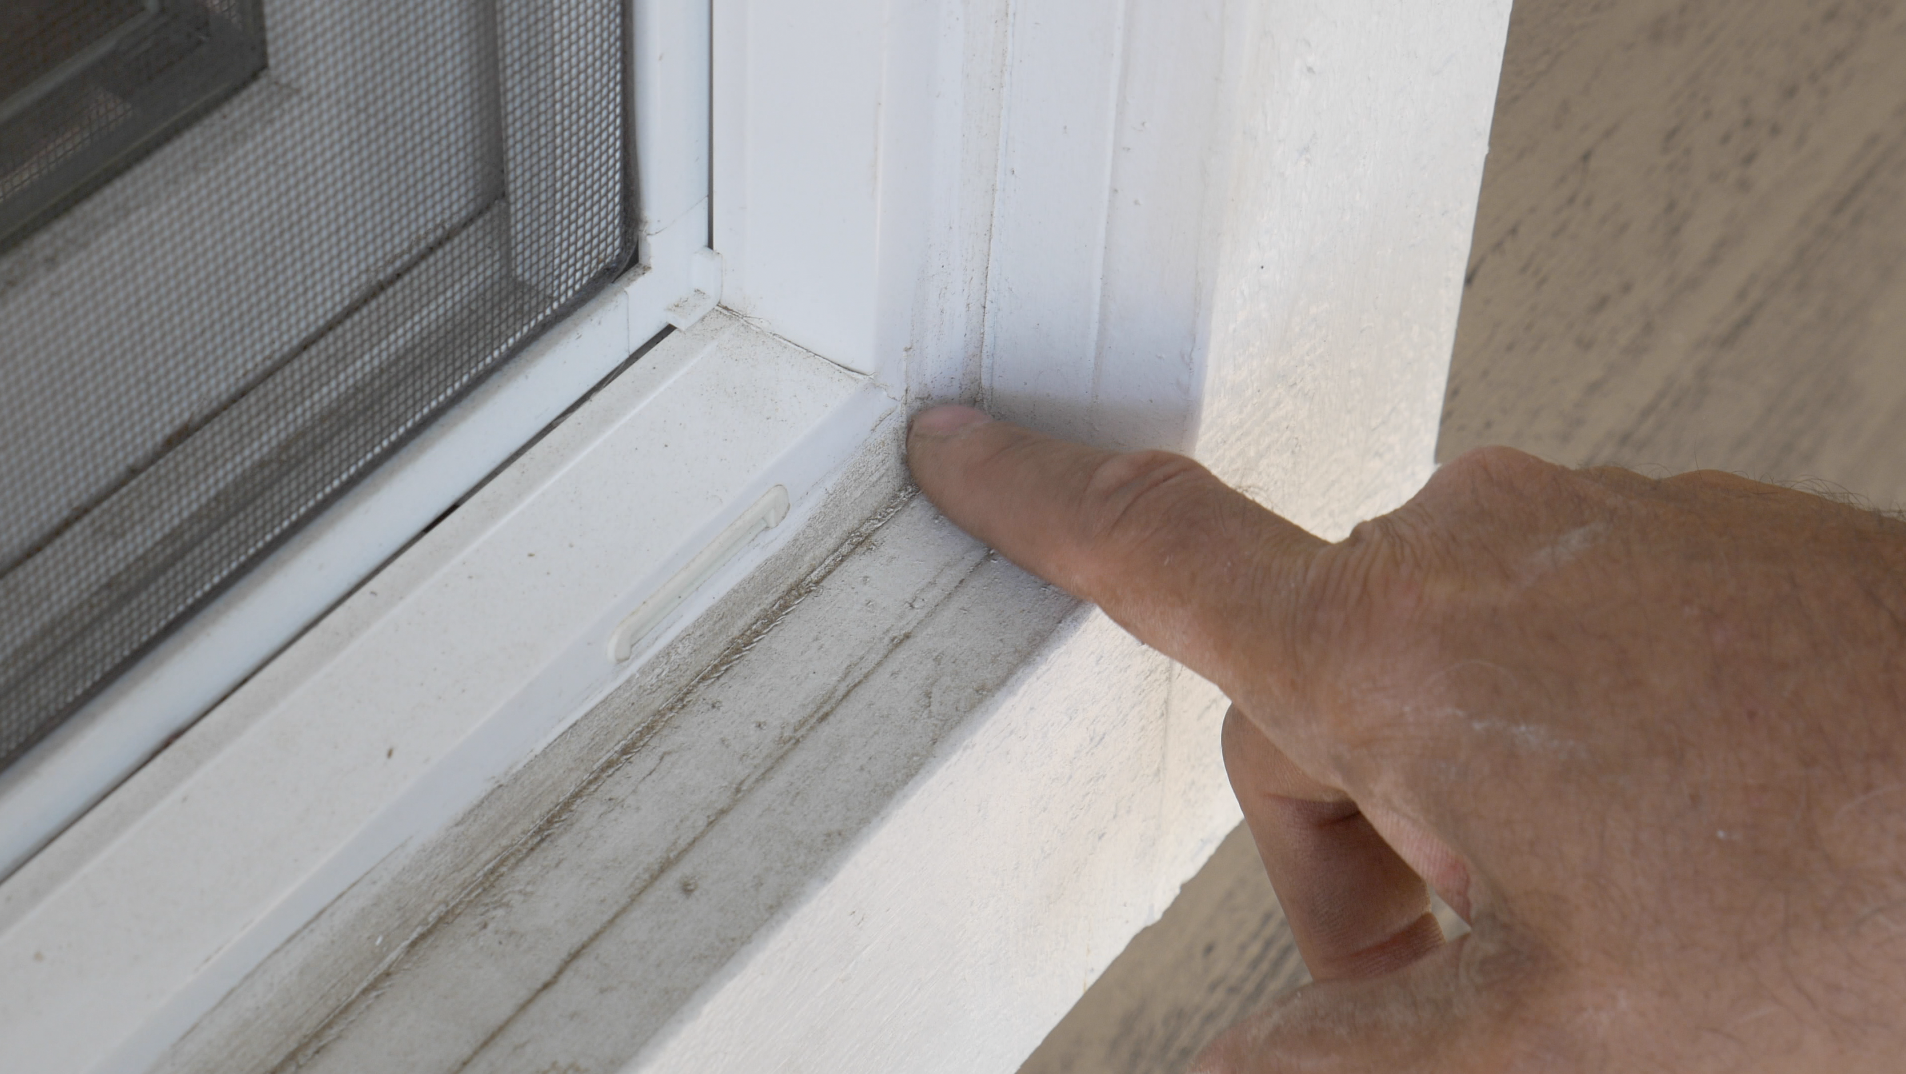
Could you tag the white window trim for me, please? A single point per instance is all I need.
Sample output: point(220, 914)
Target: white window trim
point(919, 186)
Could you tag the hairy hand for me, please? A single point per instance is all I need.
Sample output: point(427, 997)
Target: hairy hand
point(1647, 737)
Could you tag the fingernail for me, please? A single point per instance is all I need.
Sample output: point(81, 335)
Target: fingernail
point(945, 420)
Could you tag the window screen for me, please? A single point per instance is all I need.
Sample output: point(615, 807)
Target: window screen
point(247, 248)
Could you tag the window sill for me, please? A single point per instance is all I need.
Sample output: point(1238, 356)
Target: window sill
point(412, 698)
point(915, 756)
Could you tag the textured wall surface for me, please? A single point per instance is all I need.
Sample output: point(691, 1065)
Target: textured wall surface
point(1220, 953)
point(1353, 188)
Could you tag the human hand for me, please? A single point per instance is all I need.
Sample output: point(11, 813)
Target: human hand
point(1647, 737)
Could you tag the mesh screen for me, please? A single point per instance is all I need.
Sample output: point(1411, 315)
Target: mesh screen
point(87, 87)
point(199, 354)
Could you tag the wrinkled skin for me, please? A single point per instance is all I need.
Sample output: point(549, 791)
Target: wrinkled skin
point(1647, 737)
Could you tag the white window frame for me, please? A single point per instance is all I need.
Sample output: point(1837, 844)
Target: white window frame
point(910, 252)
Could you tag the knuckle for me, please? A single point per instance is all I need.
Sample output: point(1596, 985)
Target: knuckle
point(1497, 468)
point(1484, 512)
point(1497, 494)
point(1368, 588)
point(1388, 611)
point(1135, 496)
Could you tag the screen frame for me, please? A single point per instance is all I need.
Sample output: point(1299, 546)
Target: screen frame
point(150, 704)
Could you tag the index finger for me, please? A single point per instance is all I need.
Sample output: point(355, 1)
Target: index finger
point(1171, 553)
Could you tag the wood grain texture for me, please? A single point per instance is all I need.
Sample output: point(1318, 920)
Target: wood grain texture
point(1688, 253)
point(1690, 242)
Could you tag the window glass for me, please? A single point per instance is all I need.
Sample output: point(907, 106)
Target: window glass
point(42, 36)
point(87, 87)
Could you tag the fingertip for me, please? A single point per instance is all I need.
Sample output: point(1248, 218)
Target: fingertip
point(940, 457)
